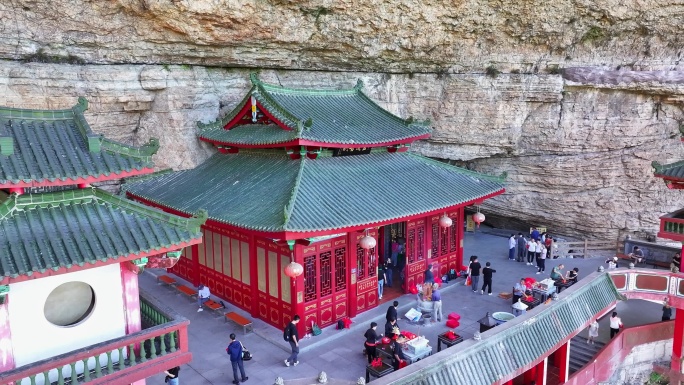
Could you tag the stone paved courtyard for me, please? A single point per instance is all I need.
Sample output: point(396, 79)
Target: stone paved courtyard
point(339, 352)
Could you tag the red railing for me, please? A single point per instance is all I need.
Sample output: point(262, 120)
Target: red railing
point(608, 359)
point(123, 360)
point(672, 226)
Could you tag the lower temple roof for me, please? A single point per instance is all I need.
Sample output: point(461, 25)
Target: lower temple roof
point(40, 232)
point(267, 191)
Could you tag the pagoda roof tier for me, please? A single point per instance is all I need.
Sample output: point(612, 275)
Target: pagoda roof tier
point(267, 192)
point(40, 233)
point(58, 147)
point(326, 118)
point(670, 172)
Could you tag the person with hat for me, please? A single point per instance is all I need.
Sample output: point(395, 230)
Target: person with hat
point(371, 342)
point(397, 350)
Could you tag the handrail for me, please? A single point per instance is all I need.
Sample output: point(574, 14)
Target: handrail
point(146, 346)
point(600, 368)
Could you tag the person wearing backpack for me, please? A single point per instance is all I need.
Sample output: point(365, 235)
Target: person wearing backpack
point(235, 349)
point(291, 335)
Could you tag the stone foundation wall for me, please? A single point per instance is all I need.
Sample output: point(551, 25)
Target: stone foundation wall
point(638, 365)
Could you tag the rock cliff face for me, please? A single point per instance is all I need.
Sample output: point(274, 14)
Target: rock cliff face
point(573, 99)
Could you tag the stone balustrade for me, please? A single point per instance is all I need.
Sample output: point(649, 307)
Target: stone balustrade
point(162, 343)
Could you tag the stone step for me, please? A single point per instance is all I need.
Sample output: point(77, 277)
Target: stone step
point(575, 364)
point(584, 348)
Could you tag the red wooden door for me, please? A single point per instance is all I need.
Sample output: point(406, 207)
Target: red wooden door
point(415, 253)
point(325, 282)
point(443, 252)
point(365, 277)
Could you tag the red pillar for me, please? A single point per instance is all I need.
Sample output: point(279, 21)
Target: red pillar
point(460, 222)
point(351, 269)
point(6, 351)
point(509, 382)
point(541, 367)
point(131, 299)
point(677, 341)
point(298, 288)
point(195, 279)
point(253, 277)
point(563, 354)
point(529, 375)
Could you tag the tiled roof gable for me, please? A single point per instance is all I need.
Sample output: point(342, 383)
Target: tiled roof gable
point(344, 116)
point(40, 232)
point(44, 146)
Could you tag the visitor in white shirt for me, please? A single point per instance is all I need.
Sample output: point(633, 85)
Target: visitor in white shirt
point(202, 296)
point(615, 324)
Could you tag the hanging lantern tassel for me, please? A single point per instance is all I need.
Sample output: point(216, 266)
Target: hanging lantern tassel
point(294, 270)
point(478, 218)
point(445, 222)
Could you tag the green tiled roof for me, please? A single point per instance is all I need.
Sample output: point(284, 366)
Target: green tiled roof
point(265, 190)
point(669, 171)
point(61, 229)
point(38, 146)
point(325, 116)
point(517, 343)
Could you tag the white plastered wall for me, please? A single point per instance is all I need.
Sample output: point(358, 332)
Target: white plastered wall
point(34, 338)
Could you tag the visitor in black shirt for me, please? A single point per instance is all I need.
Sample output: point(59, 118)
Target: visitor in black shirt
point(371, 341)
point(474, 272)
point(389, 327)
point(397, 353)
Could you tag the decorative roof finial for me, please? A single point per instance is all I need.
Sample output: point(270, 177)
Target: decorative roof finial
point(359, 85)
point(254, 78)
point(657, 166)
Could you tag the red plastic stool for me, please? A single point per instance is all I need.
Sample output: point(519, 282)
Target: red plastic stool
point(452, 323)
point(454, 316)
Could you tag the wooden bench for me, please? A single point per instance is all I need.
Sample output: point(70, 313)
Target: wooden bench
point(212, 305)
point(246, 324)
point(654, 263)
point(166, 279)
point(190, 292)
point(645, 261)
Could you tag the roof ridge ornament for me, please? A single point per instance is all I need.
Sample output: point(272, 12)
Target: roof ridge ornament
point(657, 166)
point(359, 85)
point(254, 78)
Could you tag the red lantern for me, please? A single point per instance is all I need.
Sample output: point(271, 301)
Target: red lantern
point(294, 270)
point(367, 242)
point(445, 222)
point(478, 218)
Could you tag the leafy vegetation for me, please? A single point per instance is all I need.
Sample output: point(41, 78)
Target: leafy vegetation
point(492, 72)
point(594, 34)
point(41, 56)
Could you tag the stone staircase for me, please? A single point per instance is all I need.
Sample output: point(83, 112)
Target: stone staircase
point(581, 352)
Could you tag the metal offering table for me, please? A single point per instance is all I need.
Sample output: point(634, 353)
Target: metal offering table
point(418, 355)
point(443, 339)
point(378, 371)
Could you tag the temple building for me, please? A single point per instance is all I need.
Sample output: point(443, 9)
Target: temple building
point(70, 255)
point(306, 178)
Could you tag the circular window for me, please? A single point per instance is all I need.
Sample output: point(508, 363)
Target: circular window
point(69, 303)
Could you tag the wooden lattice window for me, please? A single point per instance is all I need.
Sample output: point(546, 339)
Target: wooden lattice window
point(410, 246)
point(420, 246)
point(326, 273)
point(372, 263)
point(435, 240)
point(444, 240)
point(310, 278)
point(340, 269)
point(360, 262)
point(454, 235)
